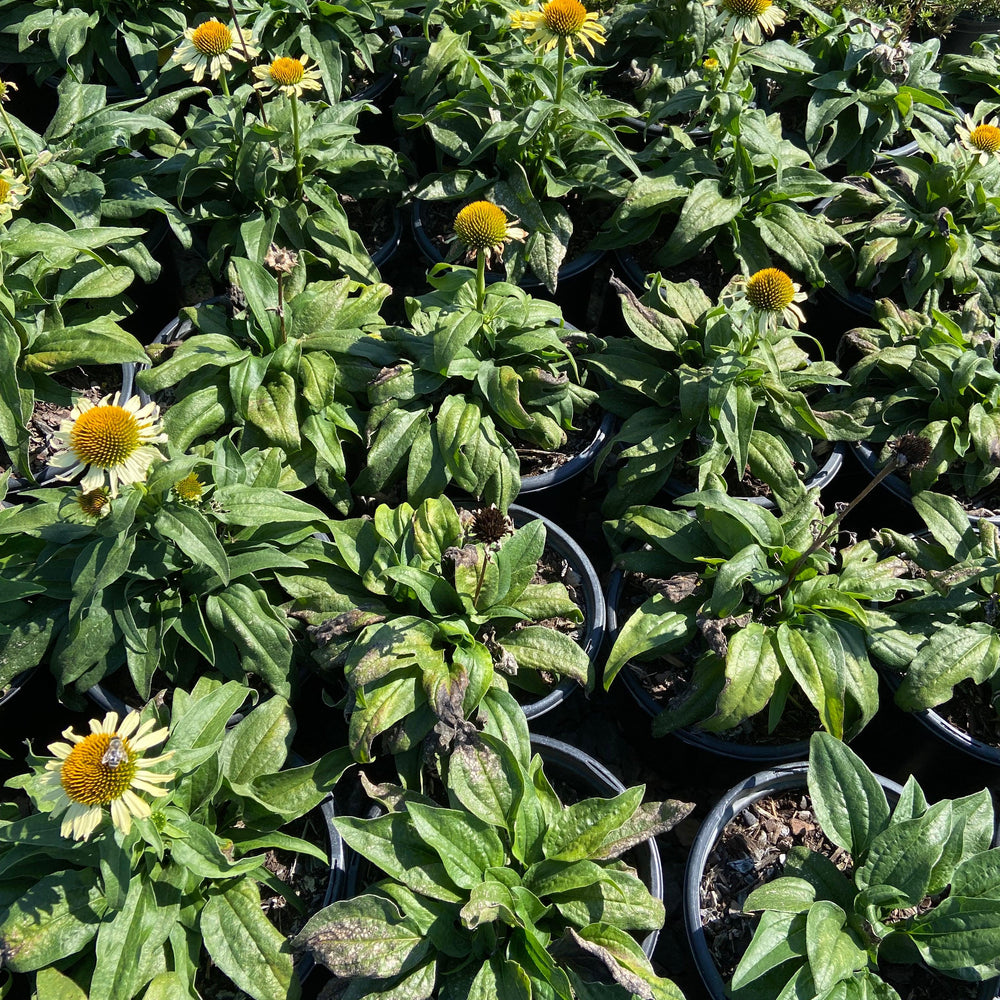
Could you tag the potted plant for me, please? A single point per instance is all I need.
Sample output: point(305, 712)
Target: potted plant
point(718, 395)
point(887, 885)
point(157, 868)
point(176, 574)
point(479, 372)
point(503, 119)
point(933, 377)
point(516, 886)
point(922, 226)
point(752, 616)
point(422, 610)
point(942, 653)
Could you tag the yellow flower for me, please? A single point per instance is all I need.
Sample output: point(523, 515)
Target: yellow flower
point(982, 140)
point(111, 442)
point(772, 291)
point(746, 19)
point(12, 192)
point(288, 75)
point(189, 489)
point(209, 48)
point(484, 226)
point(567, 19)
point(103, 769)
point(7, 88)
point(711, 65)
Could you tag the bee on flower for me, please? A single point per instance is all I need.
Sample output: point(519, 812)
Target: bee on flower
point(209, 47)
point(565, 20)
point(747, 19)
point(982, 140)
point(112, 443)
point(105, 768)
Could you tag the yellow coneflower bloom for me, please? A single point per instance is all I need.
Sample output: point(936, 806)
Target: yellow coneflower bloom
point(982, 140)
point(484, 226)
point(746, 19)
point(566, 19)
point(110, 442)
point(189, 489)
point(288, 75)
point(772, 291)
point(209, 48)
point(12, 192)
point(102, 769)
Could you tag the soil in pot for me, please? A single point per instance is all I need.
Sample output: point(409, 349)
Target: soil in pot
point(536, 461)
point(309, 880)
point(752, 851)
point(971, 709)
point(668, 677)
point(93, 383)
point(373, 220)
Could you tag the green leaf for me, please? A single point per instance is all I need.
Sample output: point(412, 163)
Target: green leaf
point(252, 506)
point(245, 945)
point(259, 743)
point(752, 670)
point(960, 934)
point(391, 843)
point(485, 777)
point(652, 627)
point(364, 936)
point(705, 210)
point(199, 719)
point(787, 895)
point(847, 798)
point(818, 666)
point(195, 537)
point(466, 845)
point(978, 876)
point(581, 829)
point(954, 653)
point(779, 937)
point(55, 918)
point(833, 952)
point(118, 942)
point(540, 648)
point(167, 986)
point(271, 407)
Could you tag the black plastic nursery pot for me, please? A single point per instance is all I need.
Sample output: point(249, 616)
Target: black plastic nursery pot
point(589, 590)
point(898, 487)
point(820, 479)
point(579, 463)
point(735, 801)
point(703, 740)
point(578, 267)
point(592, 777)
point(967, 27)
point(583, 773)
point(944, 730)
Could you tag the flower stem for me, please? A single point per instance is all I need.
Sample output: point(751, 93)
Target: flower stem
point(17, 145)
point(281, 306)
point(224, 84)
point(295, 140)
point(480, 279)
point(831, 529)
point(560, 69)
point(734, 56)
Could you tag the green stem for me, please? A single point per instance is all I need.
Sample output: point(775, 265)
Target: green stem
point(733, 59)
point(834, 525)
point(17, 145)
point(480, 279)
point(224, 84)
point(560, 69)
point(295, 140)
